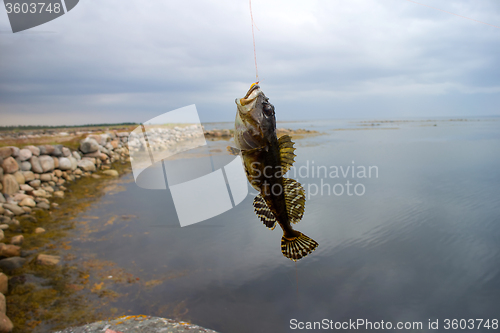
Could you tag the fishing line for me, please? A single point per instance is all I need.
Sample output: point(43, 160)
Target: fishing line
point(253, 37)
point(465, 17)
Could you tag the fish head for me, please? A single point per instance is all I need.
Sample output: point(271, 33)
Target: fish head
point(255, 120)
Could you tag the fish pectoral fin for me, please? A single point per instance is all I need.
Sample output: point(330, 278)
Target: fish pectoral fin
point(295, 199)
point(297, 247)
point(263, 212)
point(286, 148)
point(233, 150)
point(253, 150)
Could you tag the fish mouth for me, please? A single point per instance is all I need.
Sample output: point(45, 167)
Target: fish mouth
point(251, 95)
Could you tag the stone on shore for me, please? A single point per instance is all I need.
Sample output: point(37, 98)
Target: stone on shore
point(34, 150)
point(5, 152)
point(10, 185)
point(17, 240)
point(47, 163)
point(19, 177)
point(47, 260)
point(35, 183)
point(112, 173)
point(9, 264)
point(14, 208)
point(28, 176)
point(58, 194)
point(89, 145)
point(8, 250)
point(56, 162)
point(86, 165)
point(28, 202)
point(26, 188)
point(65, 163)
point(25, 154)
point(39, 230)
point(43, 205)
point(10, 165)
point(35, 164)
point(46, 177)
point(4, 283)
point(6, 325)
point(25, 166)
point(65, 151)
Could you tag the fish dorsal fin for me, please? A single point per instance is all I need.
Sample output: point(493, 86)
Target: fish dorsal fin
point(263, 212)
point(295, 198)
point(233, 150)
point(286, 152)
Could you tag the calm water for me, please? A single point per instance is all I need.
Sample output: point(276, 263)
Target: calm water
point(421, 242)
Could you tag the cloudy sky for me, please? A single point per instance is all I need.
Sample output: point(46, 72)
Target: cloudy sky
point(123, 60)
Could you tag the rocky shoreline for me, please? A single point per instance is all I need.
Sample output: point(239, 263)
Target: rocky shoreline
point(31, 177)
point(34, 178)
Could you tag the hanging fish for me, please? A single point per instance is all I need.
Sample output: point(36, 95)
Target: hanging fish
point(266, 159)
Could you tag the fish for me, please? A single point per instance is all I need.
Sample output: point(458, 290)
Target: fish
point(266, 159)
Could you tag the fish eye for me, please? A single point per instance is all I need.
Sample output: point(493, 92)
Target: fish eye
point(268, 109)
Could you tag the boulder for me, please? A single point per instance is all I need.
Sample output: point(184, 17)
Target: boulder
point(10, 165)
point(47, 162)
point(25, 154)
point(12, 263)
point(26, 188)
point(5, 324)
point(35, 183)
point(89, 145)
point(112, 173)
point(25, 166)
point(34, 150)
point(59, 194)
point(46, 149)
point(28, 176)
point(74, 162)
point(28, 202)
point(5, 152)
point(4, 283)
point(7, 250)
point(57, 151)
point(19, 177)
point(86, 165)
point(10, 185)
point(13, 208)
point(77, 156)
point(56, 162)
point(35, 164)
point(17, 240)
point(46, 177)
point(47, 260)
point(65, 163)
point(65, 151)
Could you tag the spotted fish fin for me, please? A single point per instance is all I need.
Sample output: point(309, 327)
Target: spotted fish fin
point(233, 150)
point(285, 144)
point(295, 199)
point(263, 212)
point(298, 247)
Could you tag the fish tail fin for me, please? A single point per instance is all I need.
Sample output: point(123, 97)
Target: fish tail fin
point(297, 247)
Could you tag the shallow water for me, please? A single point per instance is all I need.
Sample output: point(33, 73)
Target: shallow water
point(421, 242)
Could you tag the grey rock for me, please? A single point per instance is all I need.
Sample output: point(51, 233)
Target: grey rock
point(112, 173)
point(65, 163)
point(47, 260)
point(86, 165)
point(14, 208)
point(74, 162)
point(34, 150)
point(46, 162)
point(25, 154)
point(89, 145)
point(65, 151)
point(57, 151)
point(25, 166)
point(12, 263)
point(15, 151)
point(5, 219)
point(10, 185)
point(35, 164)
point(10, 165)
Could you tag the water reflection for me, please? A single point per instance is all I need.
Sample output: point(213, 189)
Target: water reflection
point(421, 243)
